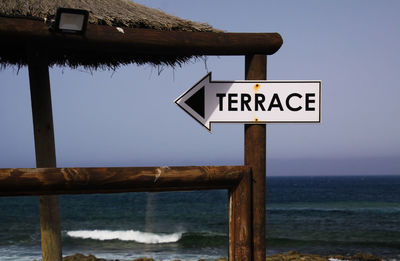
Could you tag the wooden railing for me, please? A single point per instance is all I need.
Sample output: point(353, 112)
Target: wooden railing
point(55, 181)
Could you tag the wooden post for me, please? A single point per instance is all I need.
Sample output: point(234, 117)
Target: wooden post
point(255, 157)
point(44, 150)
point(240, 221)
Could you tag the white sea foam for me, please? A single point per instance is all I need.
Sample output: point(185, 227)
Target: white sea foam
point(335, 259)
point(126, 235)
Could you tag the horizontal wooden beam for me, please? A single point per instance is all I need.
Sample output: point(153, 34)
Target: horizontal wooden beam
point(107, 39)
point(48, 181)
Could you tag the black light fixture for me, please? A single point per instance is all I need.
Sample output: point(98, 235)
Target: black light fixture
point(73, 21)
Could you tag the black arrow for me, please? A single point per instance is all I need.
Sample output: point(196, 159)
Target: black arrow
point(196, 102)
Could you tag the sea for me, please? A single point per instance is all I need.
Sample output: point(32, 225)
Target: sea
point(317, 215)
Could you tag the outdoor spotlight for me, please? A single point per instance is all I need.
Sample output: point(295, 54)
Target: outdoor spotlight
point(70, 20)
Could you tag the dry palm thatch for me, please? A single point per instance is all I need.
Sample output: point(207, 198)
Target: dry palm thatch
point(103, 12)
point(116, 13)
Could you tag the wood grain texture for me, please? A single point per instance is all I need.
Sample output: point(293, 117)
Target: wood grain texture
point(47, 181)
point(107, 39)
point(50, 228)
point(44, 149)
point(42, 114)
point(240, 221)
point(255, 157)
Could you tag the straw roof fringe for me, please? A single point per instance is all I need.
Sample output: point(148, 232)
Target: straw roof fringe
point(116, 13)
point(103, 12)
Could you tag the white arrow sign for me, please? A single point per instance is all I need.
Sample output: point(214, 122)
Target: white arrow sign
point(252, 101)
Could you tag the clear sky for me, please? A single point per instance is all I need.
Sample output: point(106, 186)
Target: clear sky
point(128, 117)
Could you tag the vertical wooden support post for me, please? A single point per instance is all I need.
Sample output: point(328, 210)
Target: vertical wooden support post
point(45, 150)
point(255, 157)
point(240, 222)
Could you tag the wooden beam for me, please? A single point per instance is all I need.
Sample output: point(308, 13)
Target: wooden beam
point(255, 157)
point(45, 149)
point(240, 221)
point(47, 181)
point(107, 39)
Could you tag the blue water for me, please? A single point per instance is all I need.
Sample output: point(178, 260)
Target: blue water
point(322, 215)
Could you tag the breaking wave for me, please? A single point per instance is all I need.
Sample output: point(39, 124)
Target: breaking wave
point(126, 235)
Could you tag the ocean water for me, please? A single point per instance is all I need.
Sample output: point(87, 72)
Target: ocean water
point(320, 215)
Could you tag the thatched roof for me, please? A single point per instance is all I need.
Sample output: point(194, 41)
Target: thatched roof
point(108, 13)
point(103, 12)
